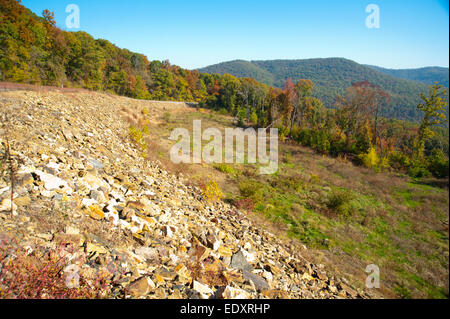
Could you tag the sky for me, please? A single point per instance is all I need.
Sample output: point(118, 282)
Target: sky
point(194, 34)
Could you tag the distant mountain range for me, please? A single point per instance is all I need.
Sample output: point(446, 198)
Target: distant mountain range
point(427, 75)
point(331, 76)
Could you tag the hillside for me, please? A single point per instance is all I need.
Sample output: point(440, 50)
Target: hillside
point(427, 75)
point(34, 51)
point(331, 77)
point(83, 182)
point(131, 228)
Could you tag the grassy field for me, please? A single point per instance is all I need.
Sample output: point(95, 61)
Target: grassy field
point(347, 216)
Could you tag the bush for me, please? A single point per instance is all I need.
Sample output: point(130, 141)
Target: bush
point(254, 118)
point(32, 275)
point(138, 136)
point(340, 202)
point(225, 168)
point(245, 203)
point(370, 159)
point(212, 191)
point(438, 164)
point(399, 161)
point(418, 169)
point(249, 189)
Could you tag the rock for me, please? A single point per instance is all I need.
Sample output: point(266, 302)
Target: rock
point(96, 164)
point(235, 293)
point(66, 239)
point(212, 242)
point(321, 275)
point(98, 196)
point(167, 230)
point(136, 205)
point(95, 212)
point(5, 205)
point(23, 179)
point(141, 287)
point(259, 283)
point(72, 230)
point(127, 214)
point(165, 273)
point(239, 261)
point(47, 237)
point(202, 289)
point(52, 182)
point(347, 289)
point(148, 253)
point(57, 197)
point(201, 252)
point(225, 251)
point(92, 248)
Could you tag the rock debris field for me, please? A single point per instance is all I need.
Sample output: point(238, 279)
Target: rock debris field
point(82, 187)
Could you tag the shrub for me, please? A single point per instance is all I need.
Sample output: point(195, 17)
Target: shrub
point(25, 275)
point(418, 169)
point(254, 118)
point(339, 200)
point(438, 164)
point(370, 159)
point(399, 161)
point(244, 203)
point(138, 136)
point(212, 191)
point(224, 168)
point(249, 188)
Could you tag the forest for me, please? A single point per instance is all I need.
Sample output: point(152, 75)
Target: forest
point(331, 77)
point(357, 127)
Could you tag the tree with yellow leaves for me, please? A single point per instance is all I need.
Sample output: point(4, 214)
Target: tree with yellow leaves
point(433, 107)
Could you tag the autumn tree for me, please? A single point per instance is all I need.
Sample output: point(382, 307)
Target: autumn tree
point(433, 108)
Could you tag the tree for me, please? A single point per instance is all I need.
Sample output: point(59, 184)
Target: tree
point(358, 113)
point(304, 106)
point(433, 107)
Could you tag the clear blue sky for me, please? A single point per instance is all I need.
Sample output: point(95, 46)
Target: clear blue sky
point(194, 34)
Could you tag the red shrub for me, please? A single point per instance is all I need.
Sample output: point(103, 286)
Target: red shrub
point(40, 275)
point(245, 203)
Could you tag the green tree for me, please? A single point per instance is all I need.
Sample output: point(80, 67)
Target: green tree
point(433, 108)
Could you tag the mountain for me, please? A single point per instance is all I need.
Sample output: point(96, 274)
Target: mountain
point(331, 76)
point(427, 75)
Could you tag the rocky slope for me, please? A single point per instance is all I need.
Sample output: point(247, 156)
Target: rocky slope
point(83, 184)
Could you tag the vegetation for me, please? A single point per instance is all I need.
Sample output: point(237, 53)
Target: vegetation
point(33, 50)
point(43, 274)
point(331, 77)
point(355, 130)
point(348, 216)
point(427, 75)
point(212, 191)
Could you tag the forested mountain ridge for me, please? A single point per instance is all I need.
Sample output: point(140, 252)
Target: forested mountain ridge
point(427, 75)
point(331, 76)
point(33, 50)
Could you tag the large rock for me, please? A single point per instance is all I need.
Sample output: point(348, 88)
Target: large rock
point(239, 261)
point(141, 287)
